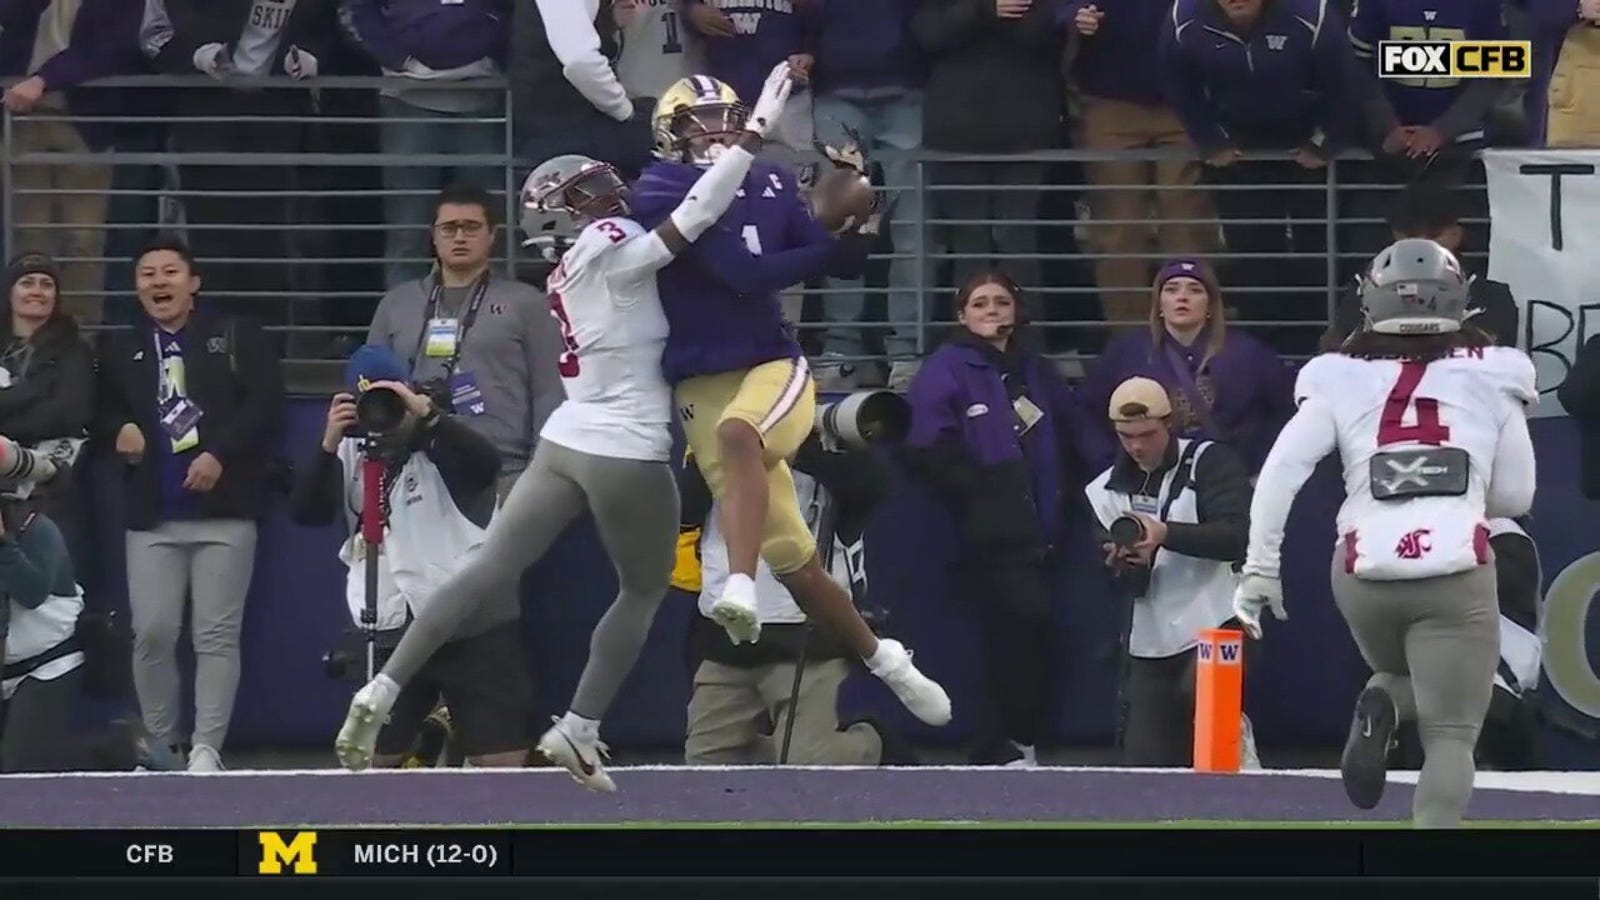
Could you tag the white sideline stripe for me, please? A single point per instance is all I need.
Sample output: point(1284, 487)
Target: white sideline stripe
point(1555, 782)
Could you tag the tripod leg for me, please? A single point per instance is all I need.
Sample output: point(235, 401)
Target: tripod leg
point(794, 697)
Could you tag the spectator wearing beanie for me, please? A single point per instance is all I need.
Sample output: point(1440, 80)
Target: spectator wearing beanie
point(1224, 385)
point(46, 377)
point(61, 207)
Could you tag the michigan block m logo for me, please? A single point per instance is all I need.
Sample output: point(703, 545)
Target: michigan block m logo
point(299, 853)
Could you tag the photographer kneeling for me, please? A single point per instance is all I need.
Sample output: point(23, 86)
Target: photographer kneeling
point(790, 679)
point(437, 495)
point(1174, 518)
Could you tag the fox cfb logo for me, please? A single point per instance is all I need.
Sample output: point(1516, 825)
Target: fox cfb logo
point(299, 853)
point(1455, 59)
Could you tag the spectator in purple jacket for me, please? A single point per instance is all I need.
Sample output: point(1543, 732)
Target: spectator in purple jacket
point(424, 45)
point(994, 87)
point(1121, 108)
point(1275, 76)
point(868, 78)
point(744, 39)
point(999, 437)
point(1225, 385)
point(1419, 129)
point(1566, 57)
point(59, 46)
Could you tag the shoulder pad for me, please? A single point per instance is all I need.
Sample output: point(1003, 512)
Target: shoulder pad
point(1315, 377)
point(1516, 371)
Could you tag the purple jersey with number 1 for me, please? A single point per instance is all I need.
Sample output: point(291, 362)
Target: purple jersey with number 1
point(721, 295)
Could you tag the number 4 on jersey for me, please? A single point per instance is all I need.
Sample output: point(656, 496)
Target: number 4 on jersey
point(1391, 426)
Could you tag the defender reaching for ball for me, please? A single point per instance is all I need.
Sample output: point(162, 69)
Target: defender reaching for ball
point(743, 389)
point(607, 448)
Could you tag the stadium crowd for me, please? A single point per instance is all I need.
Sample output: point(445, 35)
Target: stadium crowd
point(1199, 290)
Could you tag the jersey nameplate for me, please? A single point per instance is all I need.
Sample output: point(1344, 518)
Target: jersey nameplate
point(1429, 472)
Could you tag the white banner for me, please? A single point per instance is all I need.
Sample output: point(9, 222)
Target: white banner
point(1544, 241)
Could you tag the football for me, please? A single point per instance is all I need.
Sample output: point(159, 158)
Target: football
point(842, 198)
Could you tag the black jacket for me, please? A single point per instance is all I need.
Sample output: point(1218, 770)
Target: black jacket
point(312, 26)
point(1499, 315)
point(1580, 395)
point(1222, 502)
point(52, 390)
point(858, 481)
point(994, 85)
point(544, 104)
point(467, 461)
point(233, 375)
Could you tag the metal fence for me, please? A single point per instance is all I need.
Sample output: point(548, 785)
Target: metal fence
point(343, 167)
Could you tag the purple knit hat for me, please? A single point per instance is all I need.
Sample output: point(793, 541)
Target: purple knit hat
point(1189, 267)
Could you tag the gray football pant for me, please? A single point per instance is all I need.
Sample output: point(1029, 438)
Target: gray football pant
point(203, 565)
point(635, 508)
point(1433, 645)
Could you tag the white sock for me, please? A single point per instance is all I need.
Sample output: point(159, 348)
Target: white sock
point(886, 653)
point(739, 584)
point(580, 727)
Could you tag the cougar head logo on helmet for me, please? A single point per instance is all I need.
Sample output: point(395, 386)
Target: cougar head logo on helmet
point(1415, 286)
point(694, 115)
point(563, 194)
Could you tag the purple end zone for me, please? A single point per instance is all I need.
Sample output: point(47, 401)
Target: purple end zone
point(718, 795)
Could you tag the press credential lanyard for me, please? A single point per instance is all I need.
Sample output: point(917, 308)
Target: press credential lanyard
point(459, 339)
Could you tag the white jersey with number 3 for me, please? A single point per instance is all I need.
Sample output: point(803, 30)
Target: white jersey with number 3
point(1396, 424)
point(603, 296)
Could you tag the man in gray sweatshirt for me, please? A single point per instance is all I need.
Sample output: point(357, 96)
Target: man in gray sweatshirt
point(487, 340)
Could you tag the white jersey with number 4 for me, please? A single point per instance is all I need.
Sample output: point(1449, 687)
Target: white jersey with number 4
point(1446, 441)
point(603, 296)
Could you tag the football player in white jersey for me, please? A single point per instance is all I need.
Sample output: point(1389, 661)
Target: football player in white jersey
point(1430, 422)
point(605, 449)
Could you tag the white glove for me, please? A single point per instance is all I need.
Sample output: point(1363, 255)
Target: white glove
point(769, 107)
point(1256, 593)
point(299, 64)
point(213, 60)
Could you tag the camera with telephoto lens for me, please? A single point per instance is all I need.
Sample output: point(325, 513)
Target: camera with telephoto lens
point(863, 419)
point(380, 410)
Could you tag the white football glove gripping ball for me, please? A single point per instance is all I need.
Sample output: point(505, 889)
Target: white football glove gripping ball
point(769, 106)
point(1257, 593)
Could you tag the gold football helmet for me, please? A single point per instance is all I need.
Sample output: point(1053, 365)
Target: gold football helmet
point(693, 114)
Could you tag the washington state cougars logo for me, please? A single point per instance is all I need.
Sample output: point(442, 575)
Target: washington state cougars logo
point(1414, 545)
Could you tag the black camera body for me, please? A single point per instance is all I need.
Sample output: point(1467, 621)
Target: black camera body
point(1126, 531)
